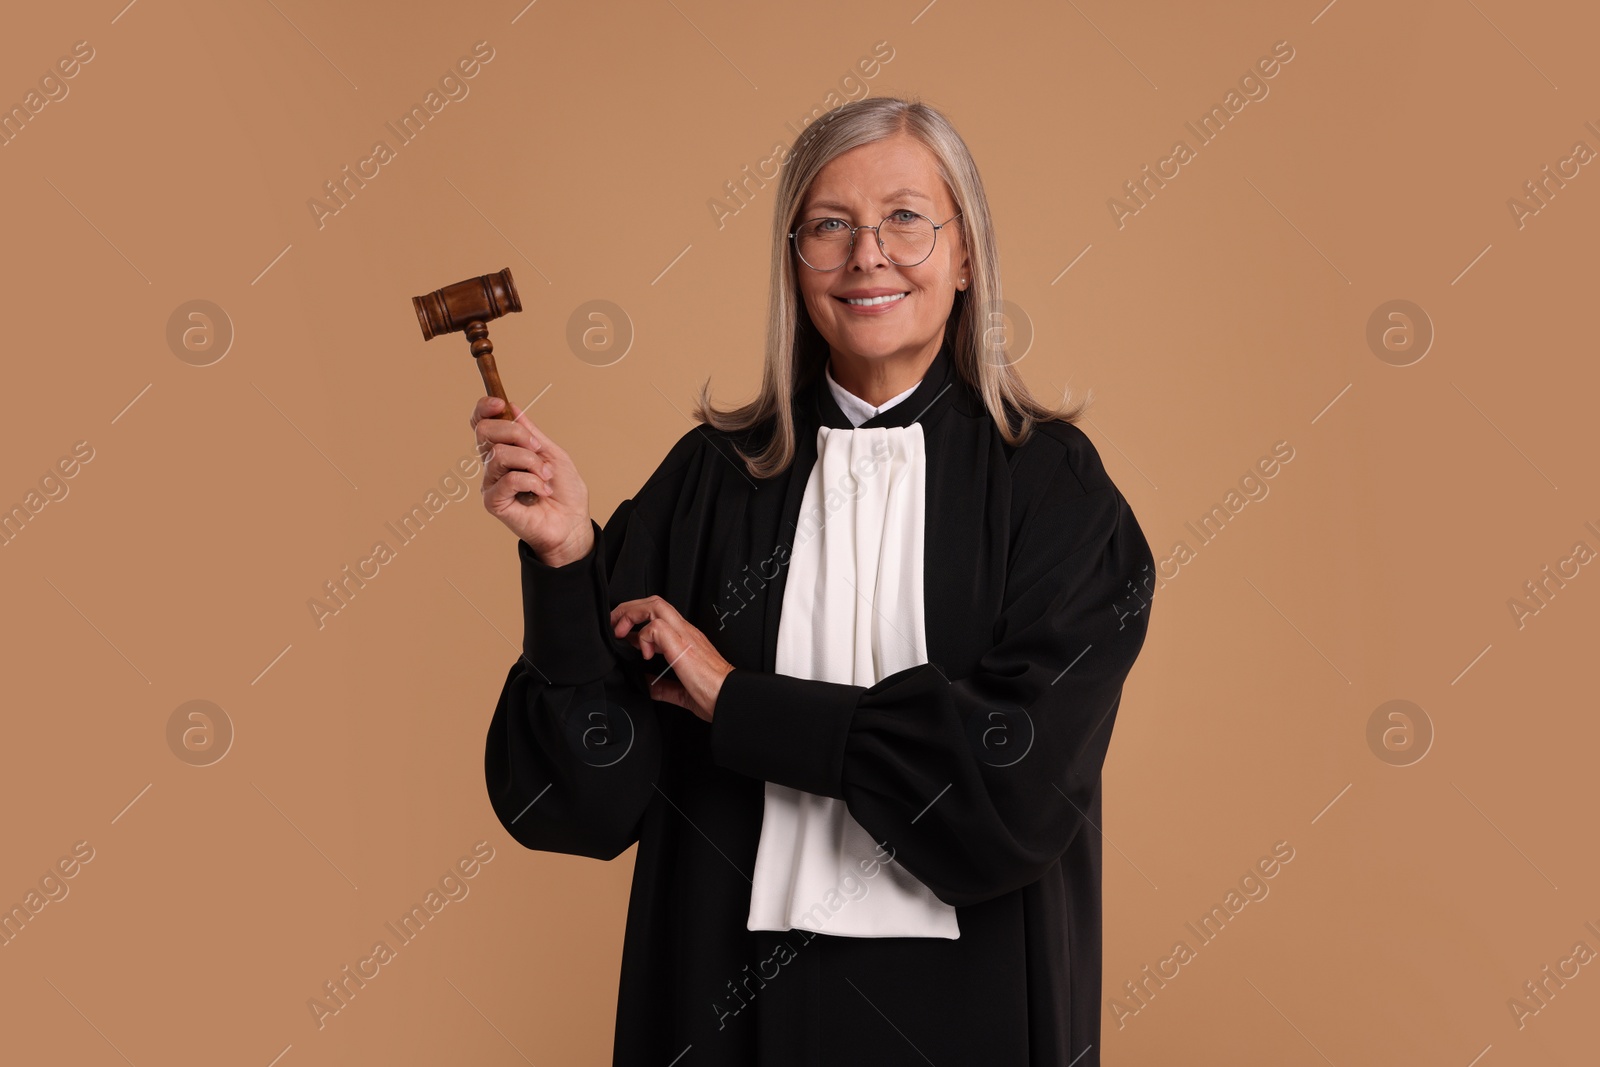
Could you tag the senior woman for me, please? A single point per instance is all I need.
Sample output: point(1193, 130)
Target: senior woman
point(846, 667)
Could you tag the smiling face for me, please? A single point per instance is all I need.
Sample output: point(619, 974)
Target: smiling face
point(885, 344)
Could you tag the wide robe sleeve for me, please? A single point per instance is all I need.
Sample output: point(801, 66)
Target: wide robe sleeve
point(574, 748)
point(977, 784)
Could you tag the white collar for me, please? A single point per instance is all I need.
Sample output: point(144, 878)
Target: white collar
point(855, 409)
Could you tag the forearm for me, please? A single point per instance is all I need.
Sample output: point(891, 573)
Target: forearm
point(564, 613)
point(784, 729)
point(573, 749)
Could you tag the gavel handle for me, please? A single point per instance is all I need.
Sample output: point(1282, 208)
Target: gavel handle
point(483, 356)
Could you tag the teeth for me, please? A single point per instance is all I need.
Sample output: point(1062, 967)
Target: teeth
point(875, 300)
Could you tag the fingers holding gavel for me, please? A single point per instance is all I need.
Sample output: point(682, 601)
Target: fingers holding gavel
point(518, 458)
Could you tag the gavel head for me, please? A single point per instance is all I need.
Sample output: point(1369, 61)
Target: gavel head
point(479, 299)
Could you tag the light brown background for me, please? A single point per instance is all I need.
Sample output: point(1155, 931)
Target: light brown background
point(1229, 314)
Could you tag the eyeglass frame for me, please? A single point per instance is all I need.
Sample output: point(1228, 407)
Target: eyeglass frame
point(937, 226)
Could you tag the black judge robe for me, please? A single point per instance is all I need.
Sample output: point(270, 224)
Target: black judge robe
point(978, 771)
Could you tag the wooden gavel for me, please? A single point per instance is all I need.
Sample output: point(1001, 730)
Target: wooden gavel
point(468, 306)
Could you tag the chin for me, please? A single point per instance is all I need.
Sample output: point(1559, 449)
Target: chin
point(869, 348)
point(870, 342)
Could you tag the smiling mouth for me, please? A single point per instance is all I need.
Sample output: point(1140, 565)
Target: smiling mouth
point(873, 301)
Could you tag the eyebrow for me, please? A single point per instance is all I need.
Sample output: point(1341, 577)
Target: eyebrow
point(898, 194)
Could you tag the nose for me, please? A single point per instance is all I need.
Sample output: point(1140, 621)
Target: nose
point(866, 253)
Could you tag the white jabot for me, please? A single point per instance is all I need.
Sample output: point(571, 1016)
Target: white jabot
point(852, 613)
point(855, 409)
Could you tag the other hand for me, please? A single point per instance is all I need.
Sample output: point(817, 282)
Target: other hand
point(699, 667)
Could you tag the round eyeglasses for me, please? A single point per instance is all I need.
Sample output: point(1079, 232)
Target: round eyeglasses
point(906, 238)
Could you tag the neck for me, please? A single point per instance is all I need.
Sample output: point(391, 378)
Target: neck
point(879, 379)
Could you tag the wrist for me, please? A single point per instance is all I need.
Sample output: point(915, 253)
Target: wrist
point(576, 547)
